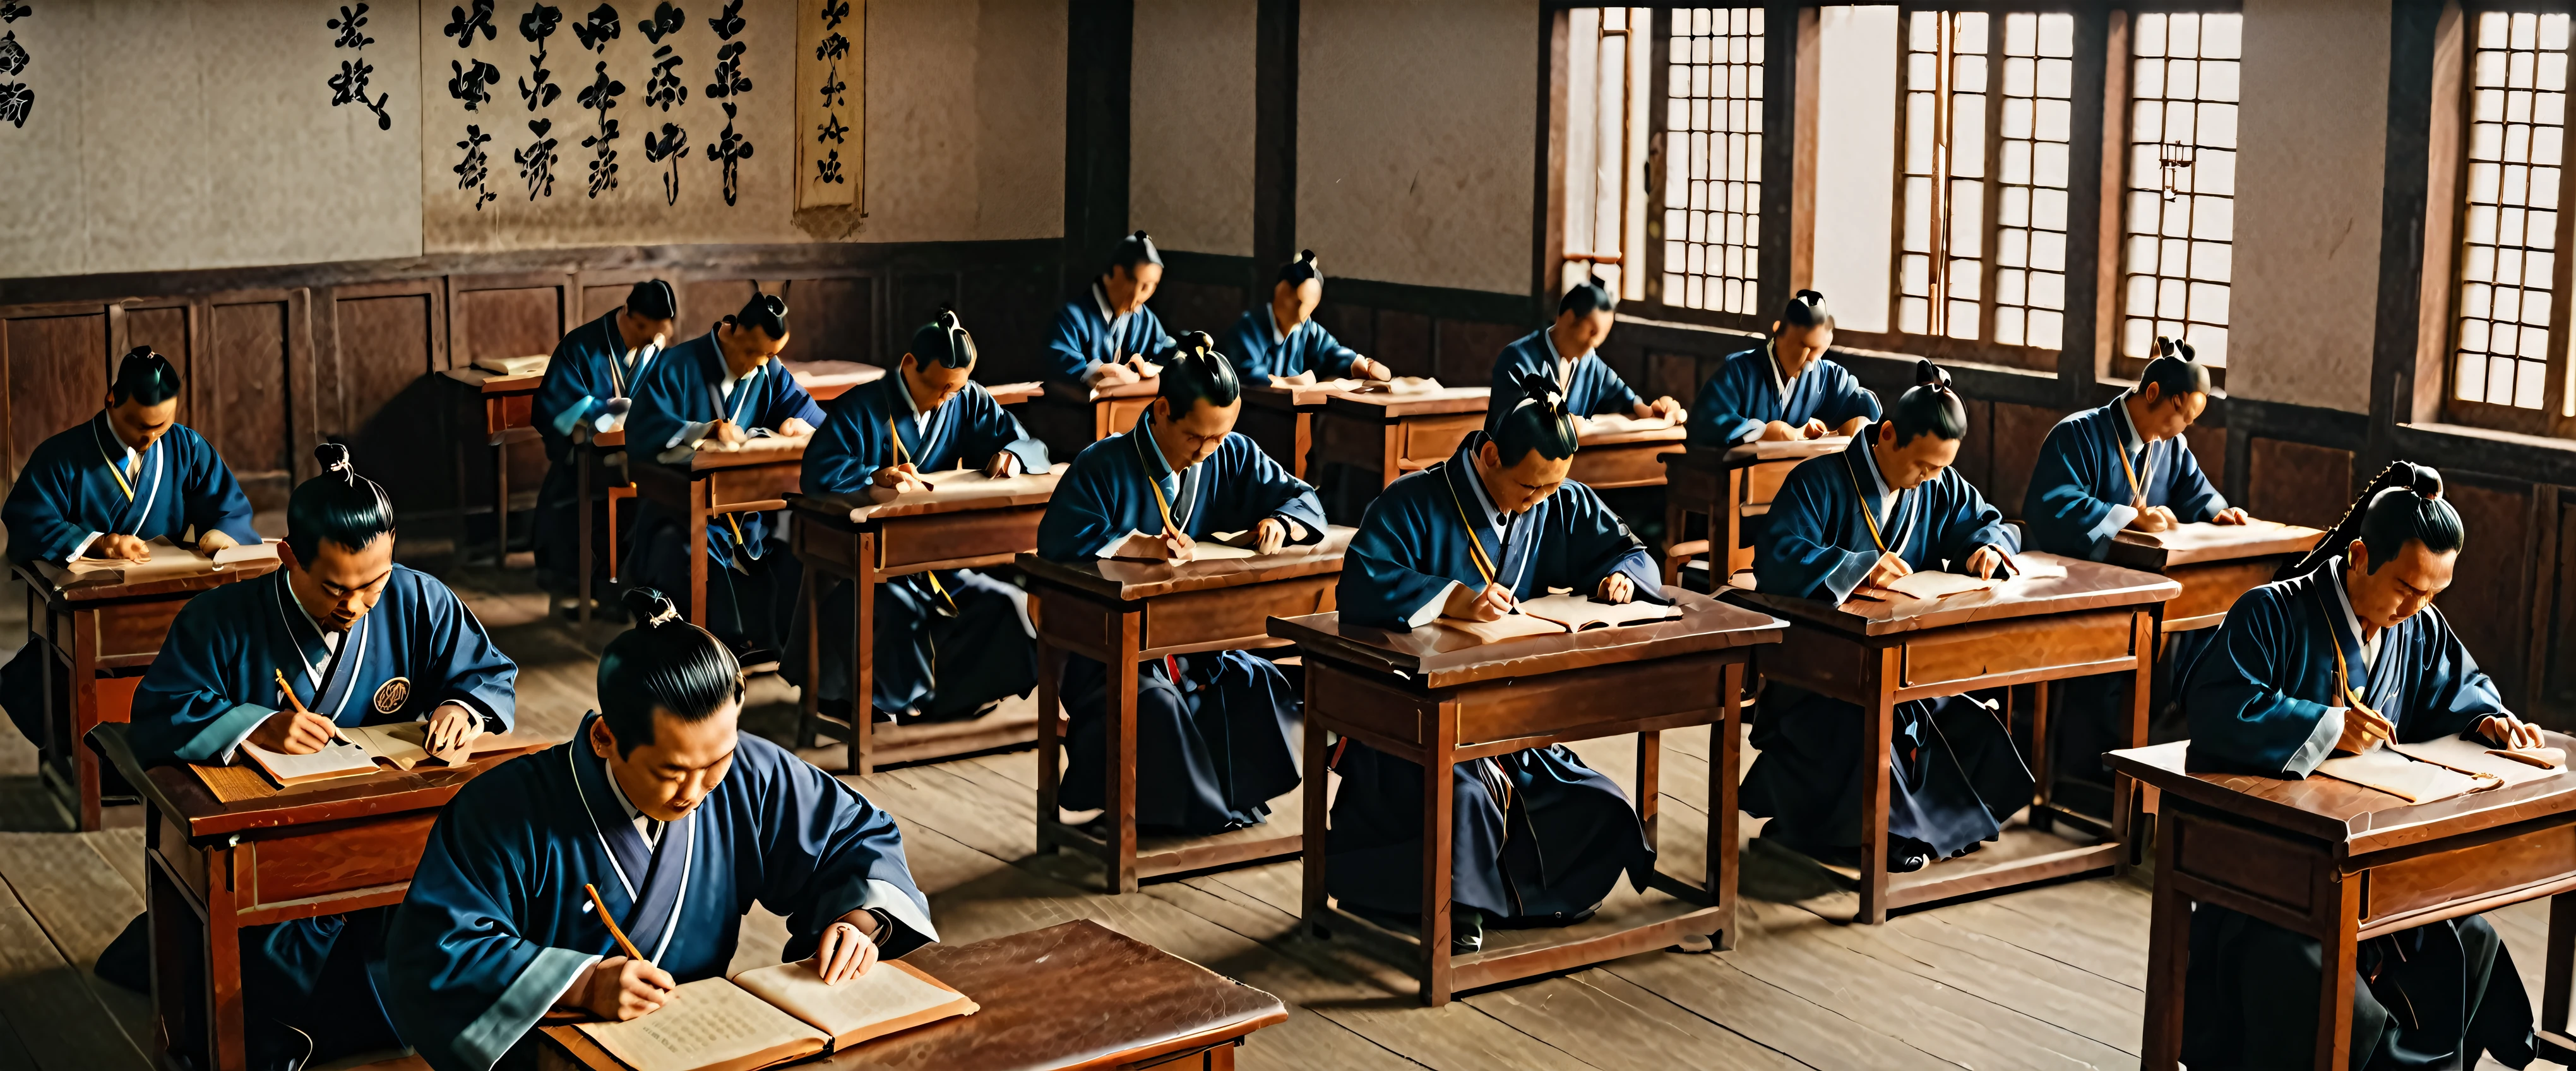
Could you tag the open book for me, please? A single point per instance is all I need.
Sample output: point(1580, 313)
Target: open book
point(958, 484)
point(2441, 769)
point(1621, 424)
point(1930, 584)
point(763, 443)
point(1139, 546)
point(402, 746)
point(534, 364)
point(1399, 385)
point(2198, 534)
point(774, 1015)
point(1560, 614)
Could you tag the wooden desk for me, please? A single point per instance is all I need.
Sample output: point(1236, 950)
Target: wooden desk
point(1606, 460)
point(1282, 421)
point(1120, 613)
point(1073, 997)
point(826, 380)
point(101, 638)
point(1730, 488)
point(897, 539)
point(324, 848)
point(2098, 619)
point(1393, 434)
point(498, 409)
point(1436, 699)
point(1068, 418)
point(2213, 576)
point(2342, 863)
point(713, 484)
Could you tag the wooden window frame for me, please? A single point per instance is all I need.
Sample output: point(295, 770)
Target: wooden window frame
point(2120, 103)
point(1786, 109)
point(2549, 420)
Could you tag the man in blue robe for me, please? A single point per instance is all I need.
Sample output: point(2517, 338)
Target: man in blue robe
point(725, 385)
point(1107, 336)
point(2124, 465)
point(949, 643)
point(123, 478)
point(1846, 525)
point(1283, 340)
point(2344, 657)
point(358, 640)
point(1539, 839)
point(587, 389)
point(1563, 354)
point(1216, 733)
point(680, 821)
point(1784, 389)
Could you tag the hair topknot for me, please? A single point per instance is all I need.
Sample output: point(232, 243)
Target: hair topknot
point(1536, 421)
point(2427, 481)
point(649, 607)
point(339, 506)
point(143, 375)
point(1806, 309)
point(1298, 271)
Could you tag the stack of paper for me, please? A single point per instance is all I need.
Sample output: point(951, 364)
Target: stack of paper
point(1619, 424)
point(533, 364)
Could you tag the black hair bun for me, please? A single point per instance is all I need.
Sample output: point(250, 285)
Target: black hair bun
point(140, 353)
point(649, 607)
point(1542, 390)
point(335, 458)
point(1140, 236)
point(1306, 256)
point(1927, 374)
point(1197, 343)
point(2427, 482)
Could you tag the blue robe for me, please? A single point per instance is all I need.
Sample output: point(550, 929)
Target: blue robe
point(1956, 776)
point(1591, 388)
point(215, 680)
point(751, 584)
point(1259, 353)
point(2434, 996)
point(1567, 832)
point(1744, 395)
point(496, 925)
point(2079, 498)
point(1215, 745)
point(968, 629)
point(591, 367)
point(73, 490)
point(1084, 336)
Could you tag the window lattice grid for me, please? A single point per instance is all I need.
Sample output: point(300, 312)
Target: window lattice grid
point(2031, 180)
point(1713, 178)
point(2509, 226)
point(1940, 259)
point(2179, 256)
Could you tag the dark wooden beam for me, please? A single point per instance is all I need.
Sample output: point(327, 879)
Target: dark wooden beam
point(2080, 359)
point(1099, 61)
point(2399, 316)
point(1274, 137)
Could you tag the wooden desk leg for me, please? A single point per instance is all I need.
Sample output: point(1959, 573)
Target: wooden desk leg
point(1730, 514)
point(1675, 517)
point(1878, 724)
point(1391, 459)
point(501, 505)
point(84, 710)
point(1220, 1058)
point(1050, 671)
point(1438, 844)
point(614, 531)
point(1305, 441)
point(696, 518)
point(2146, 638)
point(1121, 752)
point(2338, 958)
point(2168, 958)
point(581, 558)
point(2556, 979)
point(2043, 789)
point(1726, 760)
point(223, 960)
point(1318, 823)
point(863, 657)
point(808, 703)
point(1650, 803)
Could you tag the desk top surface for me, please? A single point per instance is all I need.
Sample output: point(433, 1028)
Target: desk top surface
point(1308, 396)
point(779, 451)
point(2355, 820)
point(486, 381)
point(1389, 406)
point(182, 795)
point(1028, 489)
point(1442, 658)
point(1747, 455)
point(1631, 436)
point(1127, 581)
point(1014, 393)
point(1066, 392)
point(186, 584)
point(2201, 543)
point(2086, 586)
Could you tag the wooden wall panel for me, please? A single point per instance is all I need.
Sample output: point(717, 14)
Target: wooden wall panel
point(2296, 482)
point(1209, 307)
point(1404, 343)
point(597, 301)
point(1976, 460)
point(57, 376)
point(2017, 432)
point(1468, 350)
point(2558, 654)
point(388, 409)
point(705, 301)
point(1354, 325)
point(513, 322)
point(2209, 447)
point(165, 328)
point(1009, 310)
point(830, 319)
point(913, 299)
point(242, 383)
point(2489, 601)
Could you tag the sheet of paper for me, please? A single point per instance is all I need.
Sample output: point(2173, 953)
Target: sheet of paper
point(262, 551)
point(951, 484)
point(2198, 534)
point(392, 743)
point(1138, 546)
point(1579, 611)
point(2036, 568)
point(1508, 627)
point(514, 366)
point(757, 444)
point(1400, 385)
point(2404, 777)
point(169, 561)
point(2475, 756)
point(1937, 585)
point(1617, 424)
point(888, 992)
point(711, 1023)
point(336, 759)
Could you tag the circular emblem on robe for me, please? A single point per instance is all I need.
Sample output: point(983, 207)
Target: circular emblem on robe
point(390, 697)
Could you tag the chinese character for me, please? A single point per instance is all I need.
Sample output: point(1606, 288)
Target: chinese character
point(673, 145)
point(537, 161)
point(730, 81)
point(476, 167)
point(349, 24)
point(834, 11)
point(13, 56)
point(835, 91)
point(828, 169)
point(15, 99)
point(832, 131)
point(461, 26)
point(727, 24)
point(731, 150)
point(12, 10)
point(537, 25)
point(350, 86)
point(663, 87)
point(601, 96)
point(473, 85)
point(835, 47)
point(665, 21)
point(599, 30)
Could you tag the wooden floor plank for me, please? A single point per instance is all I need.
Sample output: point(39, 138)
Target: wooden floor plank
point(49, 1004)
point(1614, 1022)
point(123, 850)
point(81, 903)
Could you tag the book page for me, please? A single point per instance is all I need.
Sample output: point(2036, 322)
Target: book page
point(514, 366)
point(2478, 757)
point(2398, 775)
point(709, 1024)
point(1508, 627)
point(1140, 547)
point(1578, 612)
point(1399, 385)
point(890, 996)
point(952, 484)
point(1929, 584)
point(336, 759)
point(2034, 568)
point(1621, 423)
point(169, 561)
point(2199, 534)
point(262, 551)
point(392, 743)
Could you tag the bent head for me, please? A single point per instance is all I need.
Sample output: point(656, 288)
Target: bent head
point(1135, 270)
point(143, 400)
point(1531, 449)
point(670, 704)
point(1200, 400)
point(754, 336)
point(2172, 392)
point(2409, 543)
point(1300, 289)
point(1804, 331)
point(1921, 436)
point(940, 362)
point(1584, 317)
point(339, 550)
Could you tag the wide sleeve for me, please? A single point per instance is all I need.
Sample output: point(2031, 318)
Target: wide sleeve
point(986, 428)
point(40, 513)
point(1081, 518)
point(1597, 543)
point(566, 395)
point(2188, 492)
point(1147, 330)
point(184, 709)
point(1331, 359)
point(845, 454)
point(827, 852)
point(1068, 345)
point(1968, 521)
point(466, 985)
point(215, 500)
point(1796, 556)
point(2242, 719)
point(1260, 487)
point(2453, 695)
point(1379, 585)
point(2063, 515)
point(1255, 358)
point(789, 400)
point(1610, 394)
point(1845, 398)
point(658, 417)
point(1717, 416)
point(472, 670)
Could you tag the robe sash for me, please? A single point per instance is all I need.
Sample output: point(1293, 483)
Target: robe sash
point(655, 881)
